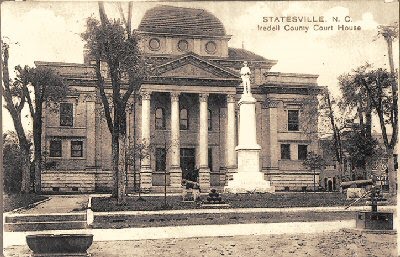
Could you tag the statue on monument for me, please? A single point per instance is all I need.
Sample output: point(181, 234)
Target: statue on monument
point(245, 74)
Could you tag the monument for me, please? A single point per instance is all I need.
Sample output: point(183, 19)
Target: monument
point(248, 178)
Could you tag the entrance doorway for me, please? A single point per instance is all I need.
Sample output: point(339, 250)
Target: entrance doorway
point(188, 161)
point(330, 185)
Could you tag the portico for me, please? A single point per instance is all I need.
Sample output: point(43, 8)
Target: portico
point(177, 133)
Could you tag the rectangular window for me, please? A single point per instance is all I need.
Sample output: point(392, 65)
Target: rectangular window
point(160, 159)
point(55, 148)
point(66, 114)
point(76, 149)
point(285, 151)
point(302, 152)
point(184, 119)
point(293, 120)
point(160, 118)
point(210, 161)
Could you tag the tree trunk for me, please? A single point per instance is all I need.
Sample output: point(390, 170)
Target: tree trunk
point(392, 172)
point(26, 170)
point(115, 162)
point(122, 172)
point(368, 135)
point(134, 142)
point(390, 54)
point(392, 176)
point(37, 140)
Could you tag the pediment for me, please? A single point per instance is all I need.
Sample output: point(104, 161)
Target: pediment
point(190, 71)
point(191, 66)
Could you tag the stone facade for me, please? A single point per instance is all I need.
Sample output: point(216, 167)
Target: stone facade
point(188, 113)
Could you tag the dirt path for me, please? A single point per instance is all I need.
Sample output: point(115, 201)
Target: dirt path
point(322, 245)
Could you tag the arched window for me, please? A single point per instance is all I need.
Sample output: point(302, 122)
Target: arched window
point(160, 118)
point(184, 120)
point(209, 119)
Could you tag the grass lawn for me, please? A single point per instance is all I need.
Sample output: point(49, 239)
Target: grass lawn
point(277, 200)
point(129, 221)
point(14, 201)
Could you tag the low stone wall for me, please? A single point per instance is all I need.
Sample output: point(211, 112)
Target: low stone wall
point(217, 179)
point(81, 181)
point(294, 181)
point(158, 179)
point(104, 181)
point(89, 181)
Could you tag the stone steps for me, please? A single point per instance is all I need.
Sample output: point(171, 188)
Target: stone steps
point(44, 222)
point(44, 218)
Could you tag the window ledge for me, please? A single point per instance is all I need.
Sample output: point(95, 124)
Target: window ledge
point(286, 160)
point(290, 131)
point(65, 127)
point(160, 172)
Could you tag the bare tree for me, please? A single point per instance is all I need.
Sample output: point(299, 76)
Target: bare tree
point(355, 98)
point(46, 86)
point(15, 100)
point(381, 87)
point(114, 43)
point(35, 86)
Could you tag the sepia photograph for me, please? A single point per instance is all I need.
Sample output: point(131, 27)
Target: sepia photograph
point(200, 128)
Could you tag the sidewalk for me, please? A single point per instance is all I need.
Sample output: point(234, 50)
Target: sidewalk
point(192, 231)
point(56, 204)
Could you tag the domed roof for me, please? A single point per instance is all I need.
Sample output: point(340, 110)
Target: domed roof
point(245, 55)
point(179, 20)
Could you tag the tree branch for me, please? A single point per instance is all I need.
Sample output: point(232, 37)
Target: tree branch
point(132, 86)
point(30, 103)
point(6, 91)
point(378, 108)
point(121, 12)
point(21, 104)
point(106, 105)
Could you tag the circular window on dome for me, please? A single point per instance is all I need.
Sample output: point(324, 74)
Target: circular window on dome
point(211, 47)
point(183, 45)
point(154, 44)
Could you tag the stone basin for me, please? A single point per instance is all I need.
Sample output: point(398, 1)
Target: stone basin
point(52, 244)
point(374, 220)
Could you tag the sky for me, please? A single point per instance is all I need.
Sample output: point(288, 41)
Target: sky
point(50, 31)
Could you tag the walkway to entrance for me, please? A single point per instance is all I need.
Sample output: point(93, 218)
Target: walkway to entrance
point(58, 204)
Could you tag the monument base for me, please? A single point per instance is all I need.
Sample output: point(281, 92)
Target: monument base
point(249, 182)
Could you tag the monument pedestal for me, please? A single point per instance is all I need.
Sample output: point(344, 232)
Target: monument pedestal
point(248, 178)
point(249, 182)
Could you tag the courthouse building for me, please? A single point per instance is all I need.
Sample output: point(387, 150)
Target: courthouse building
point(194, 91)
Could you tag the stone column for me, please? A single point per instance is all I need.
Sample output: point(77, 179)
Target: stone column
point(175, 163)
point(204, 172)
point(230, 137)
point(145, 168)
point(274, 148)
